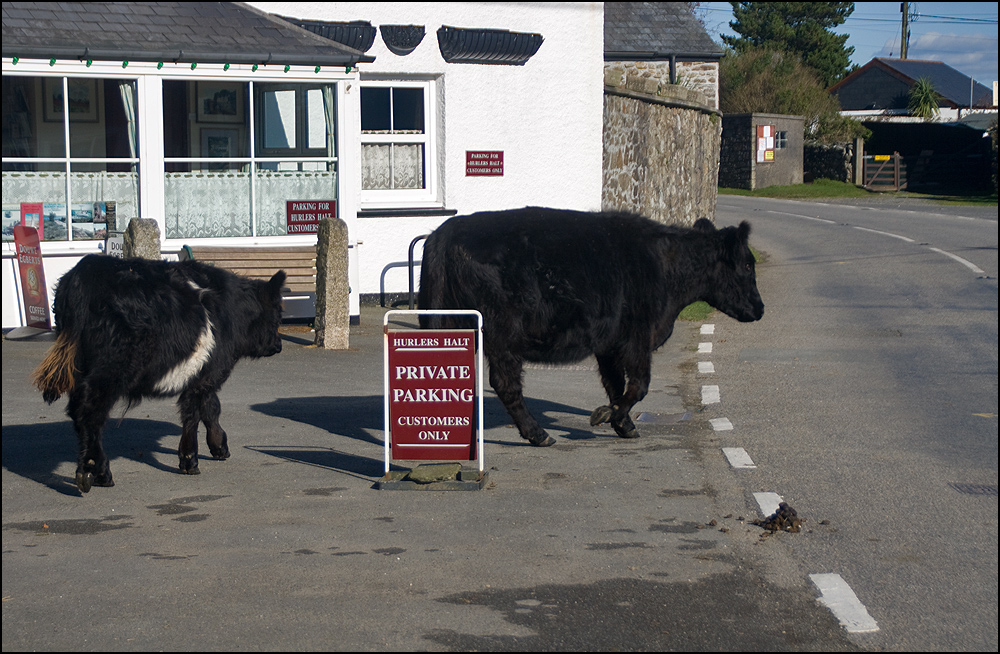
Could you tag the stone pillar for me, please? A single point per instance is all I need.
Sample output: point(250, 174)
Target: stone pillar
point(333, 316)
point(142, 239)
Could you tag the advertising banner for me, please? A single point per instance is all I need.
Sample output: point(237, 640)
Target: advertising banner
point(34, 292)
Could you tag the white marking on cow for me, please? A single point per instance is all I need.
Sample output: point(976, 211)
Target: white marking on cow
point(965, 262)
point(836, 595)
point(768, 502)
point(179, 376)
point(706, 367)
point(738, 458)
point(708, 329)
point(710, 395)
point(704, 348)
point(721, 424)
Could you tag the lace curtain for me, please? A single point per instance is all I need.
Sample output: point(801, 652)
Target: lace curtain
point(392, 166)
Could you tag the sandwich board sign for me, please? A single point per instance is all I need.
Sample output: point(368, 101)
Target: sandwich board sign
point(433, 402)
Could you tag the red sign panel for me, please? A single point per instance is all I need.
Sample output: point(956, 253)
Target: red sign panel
point(33, 290)
point(303, 216)
point(432, 392)
point(484, 163)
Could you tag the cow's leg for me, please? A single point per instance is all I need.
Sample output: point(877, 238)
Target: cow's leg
point(88, 408)
point(218, 443)
point(505, 377)
point(613, 379)
point(190, 406)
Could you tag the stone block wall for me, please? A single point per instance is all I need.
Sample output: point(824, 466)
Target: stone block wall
point(661, 148)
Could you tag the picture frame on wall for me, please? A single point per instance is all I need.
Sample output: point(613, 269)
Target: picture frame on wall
point(82, 100)
point(221, 143)
point(219, 102)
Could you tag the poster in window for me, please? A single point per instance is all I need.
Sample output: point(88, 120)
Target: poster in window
point(82, 100)
point(220, 102)
point(218, 143)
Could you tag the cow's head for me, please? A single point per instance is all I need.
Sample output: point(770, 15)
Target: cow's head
point(733, 289)
point(263, 339)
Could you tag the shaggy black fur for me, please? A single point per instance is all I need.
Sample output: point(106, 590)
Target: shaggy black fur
point(557, 286)
point(131, 329)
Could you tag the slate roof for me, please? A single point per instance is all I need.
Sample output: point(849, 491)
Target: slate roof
point(655, 30)
point(951, 84)
point(204, 32)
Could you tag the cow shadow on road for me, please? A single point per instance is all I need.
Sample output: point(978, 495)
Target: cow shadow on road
point(360, 420)
point(37, 451)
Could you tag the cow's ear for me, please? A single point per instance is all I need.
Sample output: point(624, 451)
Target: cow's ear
point(704, 225)
point(275, 283)
point(744, 231)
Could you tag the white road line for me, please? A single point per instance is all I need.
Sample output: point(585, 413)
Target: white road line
point(738, 458)
point(704, 348)
point(875, 231)
point(721, 424)
point(797, 215)
point(836, 595)
point(708, 329)
point(965, 262)
point(710, 395)
point(706, 367)
point(768, 502)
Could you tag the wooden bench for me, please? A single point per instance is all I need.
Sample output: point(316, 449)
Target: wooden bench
point(298, 262)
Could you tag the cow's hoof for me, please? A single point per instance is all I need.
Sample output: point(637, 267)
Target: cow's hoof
point(104, 481)
point(601, 415)
point(189, 465)
point(84, 480)
point(220, 455)
point(544, 442)
point(627, 433)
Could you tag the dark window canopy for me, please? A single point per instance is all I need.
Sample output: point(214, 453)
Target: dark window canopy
point(402, 39)
point(485, 46)
point(357, 34)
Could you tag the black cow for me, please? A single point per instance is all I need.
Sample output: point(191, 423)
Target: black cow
point(133, 328)
point(556, 286)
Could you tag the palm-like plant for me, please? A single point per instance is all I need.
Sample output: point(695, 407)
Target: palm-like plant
point(923, 99)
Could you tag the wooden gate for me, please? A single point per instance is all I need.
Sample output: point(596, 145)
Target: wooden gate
point(884, 172)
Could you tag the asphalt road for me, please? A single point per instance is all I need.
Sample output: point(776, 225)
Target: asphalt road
point(594, 543)
point(869, 399)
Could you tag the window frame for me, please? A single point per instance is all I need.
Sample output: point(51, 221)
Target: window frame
point(64, 164)
point(427, 197)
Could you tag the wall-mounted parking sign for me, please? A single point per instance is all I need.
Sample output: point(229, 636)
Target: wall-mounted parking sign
point(433, 393)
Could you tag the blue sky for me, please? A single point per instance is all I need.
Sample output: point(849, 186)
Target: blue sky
point(961, 34)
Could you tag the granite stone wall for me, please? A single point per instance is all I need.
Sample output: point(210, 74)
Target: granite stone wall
point(661, 148)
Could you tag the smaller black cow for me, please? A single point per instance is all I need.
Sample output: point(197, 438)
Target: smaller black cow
point(557, 286)
point(133, 328)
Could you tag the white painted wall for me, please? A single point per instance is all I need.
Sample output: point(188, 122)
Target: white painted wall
point(546, 116)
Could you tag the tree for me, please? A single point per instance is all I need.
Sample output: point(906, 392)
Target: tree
point(800, 29)
point(767, 81)
point(923, 99)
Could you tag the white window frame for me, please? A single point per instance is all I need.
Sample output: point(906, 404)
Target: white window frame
point(427, 197)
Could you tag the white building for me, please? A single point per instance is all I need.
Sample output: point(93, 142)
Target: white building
point(212, 118)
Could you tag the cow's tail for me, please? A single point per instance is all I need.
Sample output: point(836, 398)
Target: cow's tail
point(56, 374)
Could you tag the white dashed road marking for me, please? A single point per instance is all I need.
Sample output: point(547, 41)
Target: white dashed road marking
point(706, 367)
point(710, 395)
point(836, 595)
point(721, 424)
point(738, 458)
point(768, 502)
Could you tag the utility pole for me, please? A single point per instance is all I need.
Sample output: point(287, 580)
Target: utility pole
point(905, 8)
